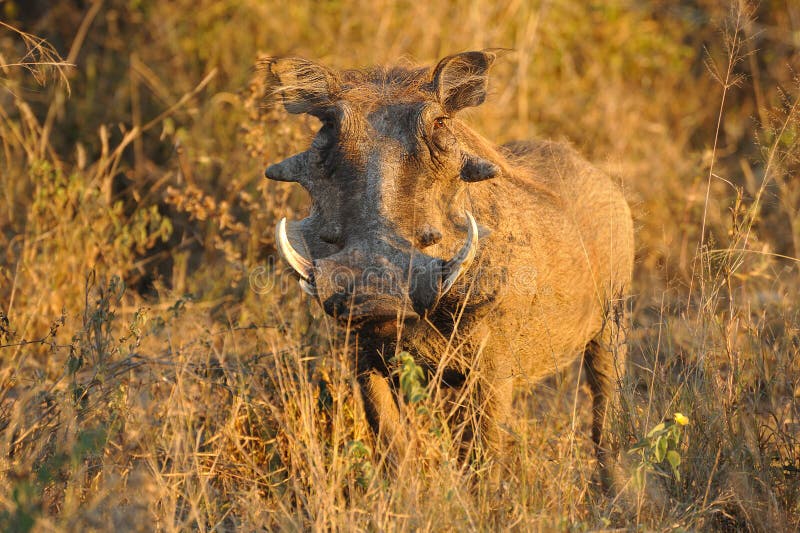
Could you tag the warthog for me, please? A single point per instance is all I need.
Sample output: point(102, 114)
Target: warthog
point(424, 236)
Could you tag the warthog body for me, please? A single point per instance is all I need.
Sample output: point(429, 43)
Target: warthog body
point(512, 261)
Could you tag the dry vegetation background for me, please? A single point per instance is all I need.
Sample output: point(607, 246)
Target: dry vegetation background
point(145, 385)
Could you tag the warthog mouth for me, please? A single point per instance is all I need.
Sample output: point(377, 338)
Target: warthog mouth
point(380, 308)
point(365, 311)
point(377, 325)
point(382, 329)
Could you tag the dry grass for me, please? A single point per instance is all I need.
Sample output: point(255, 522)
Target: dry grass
point(158, 373)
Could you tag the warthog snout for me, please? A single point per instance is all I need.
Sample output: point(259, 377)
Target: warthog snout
point(376, 282)
point(358, 288)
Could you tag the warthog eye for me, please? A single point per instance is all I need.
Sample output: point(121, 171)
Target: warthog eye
point(441, 135)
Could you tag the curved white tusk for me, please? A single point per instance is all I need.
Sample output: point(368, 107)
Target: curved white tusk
point(308, 287)
point(300, 264)
point(463, 259)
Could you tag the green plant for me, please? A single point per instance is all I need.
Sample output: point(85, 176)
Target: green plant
point(661, 445)
point(361, 462)
point(412, 378)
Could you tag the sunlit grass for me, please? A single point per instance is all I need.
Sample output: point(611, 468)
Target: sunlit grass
point(152, 379)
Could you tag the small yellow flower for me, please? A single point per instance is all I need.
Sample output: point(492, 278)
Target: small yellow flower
point(680, 419)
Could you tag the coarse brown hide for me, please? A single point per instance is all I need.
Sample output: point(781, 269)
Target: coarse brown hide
point(397, 183)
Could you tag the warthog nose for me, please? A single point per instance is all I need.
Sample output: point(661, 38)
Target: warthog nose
point(331, 234)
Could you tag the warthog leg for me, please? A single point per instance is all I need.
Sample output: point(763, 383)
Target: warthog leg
point(604, 360)
point(381, 409)
point(497, 399)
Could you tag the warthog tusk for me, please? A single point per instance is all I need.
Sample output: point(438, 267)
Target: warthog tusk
point(300, 264)
point(463, 259)
point(308, 287)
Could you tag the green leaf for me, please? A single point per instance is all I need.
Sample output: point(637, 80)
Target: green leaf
point(675, 435)
point(659, 428)
point(638, 476)
point(661, 449)
point(674, 459)
point(639, 446)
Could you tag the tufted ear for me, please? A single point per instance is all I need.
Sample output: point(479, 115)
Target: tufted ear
point(461, 80)
point(305, 86)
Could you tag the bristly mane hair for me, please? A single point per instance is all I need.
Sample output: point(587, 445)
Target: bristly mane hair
point(303, 85)
point(386, 83)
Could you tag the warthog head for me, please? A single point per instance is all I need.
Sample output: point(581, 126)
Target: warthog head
point(389, 232)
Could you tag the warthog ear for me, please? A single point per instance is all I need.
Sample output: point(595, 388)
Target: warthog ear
point(305, 86)
point(460, 80)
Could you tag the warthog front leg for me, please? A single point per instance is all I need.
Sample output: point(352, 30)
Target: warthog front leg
point(496, 404)
point(381, 409)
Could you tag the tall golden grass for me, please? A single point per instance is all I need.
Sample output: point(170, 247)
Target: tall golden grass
point(158, 373)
